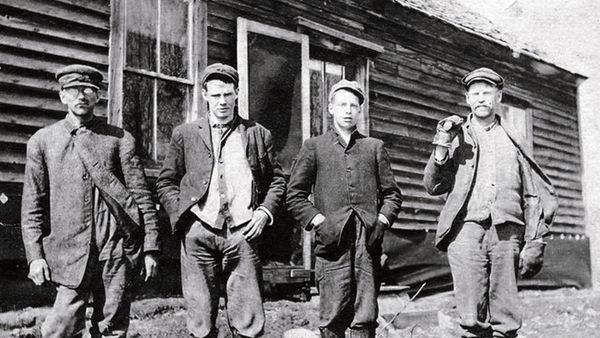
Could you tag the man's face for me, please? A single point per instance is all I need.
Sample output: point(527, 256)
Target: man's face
point(483, 98)
point(221, 98)
point(80, 100)
point(345, 108)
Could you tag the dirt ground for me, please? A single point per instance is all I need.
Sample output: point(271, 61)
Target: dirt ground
point(564, 313)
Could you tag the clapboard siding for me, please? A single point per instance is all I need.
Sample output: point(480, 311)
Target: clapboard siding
point(38, 37)
point(416, 81)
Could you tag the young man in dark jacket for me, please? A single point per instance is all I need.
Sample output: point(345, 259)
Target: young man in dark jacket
point(355, 200)
point(221, 185)
point(498, 199)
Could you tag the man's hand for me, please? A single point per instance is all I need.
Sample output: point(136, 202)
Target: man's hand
point(317, 221)
point(446, 131)
point(531, 259)
point(150, 266)
point(39, 272)
point(376, 236)
point(256, 226)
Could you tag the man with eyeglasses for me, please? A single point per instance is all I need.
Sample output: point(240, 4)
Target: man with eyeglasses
point(88, 222)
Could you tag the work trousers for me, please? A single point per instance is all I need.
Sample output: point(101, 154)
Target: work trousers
point(348, 285)
point(484, 262)
point(109, 284)
point(211, 258)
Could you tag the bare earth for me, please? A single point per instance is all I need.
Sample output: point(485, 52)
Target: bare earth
point(564, 313)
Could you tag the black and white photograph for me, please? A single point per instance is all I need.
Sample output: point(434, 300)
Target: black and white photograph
point(299, 168)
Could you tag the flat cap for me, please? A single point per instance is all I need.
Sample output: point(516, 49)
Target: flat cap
point(352, 86)
point(79, 75)
point(483, 74)
point(219, 70)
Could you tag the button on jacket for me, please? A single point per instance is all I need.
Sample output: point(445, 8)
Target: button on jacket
point(187, 170)
point(343, 179)
point(57, 211)
point(456, 176)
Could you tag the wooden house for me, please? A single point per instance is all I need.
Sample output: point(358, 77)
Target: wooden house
point(408, 54)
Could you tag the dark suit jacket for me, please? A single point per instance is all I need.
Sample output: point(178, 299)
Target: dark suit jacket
point(455, 177)
point(187, 169)
point(57, 201)
point(357, 179)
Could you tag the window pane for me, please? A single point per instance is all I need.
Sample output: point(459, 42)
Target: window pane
point(138, 109)
point(274, 92)
point(173, 105)
point(141, 22)
point(318, 99)
point(174, 38)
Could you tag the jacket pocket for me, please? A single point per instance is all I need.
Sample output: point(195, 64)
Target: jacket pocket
point(328, 235)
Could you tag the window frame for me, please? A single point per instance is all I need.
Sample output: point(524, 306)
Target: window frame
point(245, 26)
point(197, 61)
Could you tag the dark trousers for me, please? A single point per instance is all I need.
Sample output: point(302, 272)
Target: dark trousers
point(109, 283)
point(209, 259)
point(348, 286)
point(484, 262)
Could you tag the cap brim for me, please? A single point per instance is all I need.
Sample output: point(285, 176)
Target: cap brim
point(80, 84)
point(484, 79)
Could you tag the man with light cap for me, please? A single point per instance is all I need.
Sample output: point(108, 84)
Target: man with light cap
point(88, 222)
point(355, 200)
point(221, 185)
point(499, 207)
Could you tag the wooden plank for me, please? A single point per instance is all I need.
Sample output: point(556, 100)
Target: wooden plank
point(53, 10)
point(53, 31)
point(44, 46)
point(101, 7)
point(310, 24)
point(12, 136)
point(25, 119)
point(11, 176)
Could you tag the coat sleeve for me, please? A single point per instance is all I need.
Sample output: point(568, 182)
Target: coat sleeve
point(169, 179)
point(135, 181)
point(389, 192)
point(35, 201)
point(439, 178)
point(276, 192)
point(302, 179)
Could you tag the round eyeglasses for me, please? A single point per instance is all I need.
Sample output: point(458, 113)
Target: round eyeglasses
point(74, 91)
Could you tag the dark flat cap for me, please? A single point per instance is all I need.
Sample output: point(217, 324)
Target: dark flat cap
point(219, 70)
point(483, 74)
point(79, 75)
point(352, 86)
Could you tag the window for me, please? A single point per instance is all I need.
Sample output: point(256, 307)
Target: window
point(154, 61)
point(285, 78)
point(519, 119)
point(274, 61)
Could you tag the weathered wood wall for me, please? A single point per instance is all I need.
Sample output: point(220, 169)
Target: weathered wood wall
point(38, 37)
point(415, 82)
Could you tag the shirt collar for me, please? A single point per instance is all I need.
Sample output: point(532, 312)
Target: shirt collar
point(229, 125)
point(337, 138)
point(487, 128)
point(73, 124)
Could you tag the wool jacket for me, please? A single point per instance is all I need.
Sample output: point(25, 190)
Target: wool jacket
point(57, 206)
point(185, 176)
point(455, 177)
point(344, 179)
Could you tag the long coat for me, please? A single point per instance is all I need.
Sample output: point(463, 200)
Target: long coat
point(344, 180)
point(455, 177)
point(62, 168)
point(187, 169)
